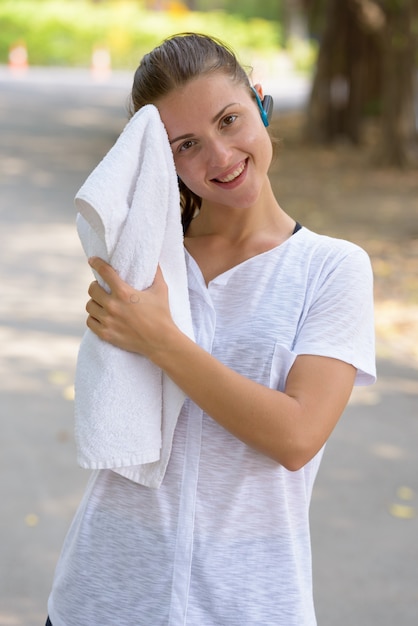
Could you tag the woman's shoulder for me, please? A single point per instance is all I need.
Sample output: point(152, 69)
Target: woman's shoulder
point(326, 246)
point(318, 256)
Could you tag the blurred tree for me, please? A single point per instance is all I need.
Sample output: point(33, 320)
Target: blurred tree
point(295, 21)
point(398, 42)
point(267, 9)
point(366, 63)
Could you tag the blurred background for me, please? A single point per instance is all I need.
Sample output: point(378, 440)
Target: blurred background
point(344, 78)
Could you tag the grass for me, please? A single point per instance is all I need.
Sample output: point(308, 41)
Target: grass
point(66, 32)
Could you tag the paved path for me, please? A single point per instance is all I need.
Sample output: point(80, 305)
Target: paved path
point(54, 128)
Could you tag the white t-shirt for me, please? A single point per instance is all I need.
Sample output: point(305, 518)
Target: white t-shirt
point(225, 540)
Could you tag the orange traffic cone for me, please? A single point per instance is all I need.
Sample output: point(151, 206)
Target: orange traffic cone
point(18, 59)
point(100, 64)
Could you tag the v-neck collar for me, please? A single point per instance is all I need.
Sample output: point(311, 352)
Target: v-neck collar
point(223, 277)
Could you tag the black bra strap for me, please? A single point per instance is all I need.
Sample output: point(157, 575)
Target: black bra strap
point(297, 227)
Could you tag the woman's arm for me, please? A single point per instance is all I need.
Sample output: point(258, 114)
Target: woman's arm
point(290, 426)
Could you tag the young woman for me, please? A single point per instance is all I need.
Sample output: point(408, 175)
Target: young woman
point(284, 328)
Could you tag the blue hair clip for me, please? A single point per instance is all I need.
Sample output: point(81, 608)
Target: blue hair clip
point(263, 112)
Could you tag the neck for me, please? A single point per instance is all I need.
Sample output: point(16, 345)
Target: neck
point(241, 224)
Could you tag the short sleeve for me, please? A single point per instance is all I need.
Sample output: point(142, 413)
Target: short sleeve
point(338, 321)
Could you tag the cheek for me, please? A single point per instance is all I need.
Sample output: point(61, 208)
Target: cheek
point(269, 153)
point(264, 147)
point(184, 177)
point(256, 141)
point(188, 174)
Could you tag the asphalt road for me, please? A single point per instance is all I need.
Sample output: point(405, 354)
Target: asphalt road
point(54, 128)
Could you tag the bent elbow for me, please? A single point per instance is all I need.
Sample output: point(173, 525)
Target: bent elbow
point(294, 465)
point(297, 458)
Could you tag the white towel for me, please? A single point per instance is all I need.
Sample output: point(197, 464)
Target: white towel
point(126, 408)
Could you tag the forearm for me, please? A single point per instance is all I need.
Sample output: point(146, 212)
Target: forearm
point(289, 426)
point(270, 421)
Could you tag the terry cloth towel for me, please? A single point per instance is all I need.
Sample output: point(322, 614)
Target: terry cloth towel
point(126, 408)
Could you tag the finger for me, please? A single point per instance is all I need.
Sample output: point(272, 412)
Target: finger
point(93, 287)
point(106, 272)
point(94, 309)
point(94, 325)
point(97, 293)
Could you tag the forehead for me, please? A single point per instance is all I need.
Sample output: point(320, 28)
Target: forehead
point(199, 100)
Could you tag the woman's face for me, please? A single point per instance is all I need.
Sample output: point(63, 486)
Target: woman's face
point(221, 148)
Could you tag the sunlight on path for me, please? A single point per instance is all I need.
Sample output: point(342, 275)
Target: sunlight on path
point(44, 279)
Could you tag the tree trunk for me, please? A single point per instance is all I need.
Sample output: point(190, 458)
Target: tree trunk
point(366, 63)
point(341, 83)
point(398, 123)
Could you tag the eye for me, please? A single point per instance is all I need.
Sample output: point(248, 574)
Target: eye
point(186, 145)
point(229, 119)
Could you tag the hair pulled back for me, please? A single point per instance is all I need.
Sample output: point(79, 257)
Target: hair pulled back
point(178, 60)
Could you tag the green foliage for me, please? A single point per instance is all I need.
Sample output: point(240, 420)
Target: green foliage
point(65, 32)
point(265, 9)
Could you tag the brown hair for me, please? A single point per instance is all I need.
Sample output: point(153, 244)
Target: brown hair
point(171, 65)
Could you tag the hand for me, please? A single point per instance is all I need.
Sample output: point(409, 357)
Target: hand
point(129, 319)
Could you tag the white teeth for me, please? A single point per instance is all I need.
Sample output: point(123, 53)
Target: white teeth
point(234, 174)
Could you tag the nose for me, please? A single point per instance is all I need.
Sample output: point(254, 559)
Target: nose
point(218, 152)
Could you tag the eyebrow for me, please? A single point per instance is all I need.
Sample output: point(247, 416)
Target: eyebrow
point(213, 120)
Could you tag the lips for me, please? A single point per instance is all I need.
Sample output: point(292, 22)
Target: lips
point(232, 175)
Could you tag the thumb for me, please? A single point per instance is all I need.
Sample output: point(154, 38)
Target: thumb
point(159, 283)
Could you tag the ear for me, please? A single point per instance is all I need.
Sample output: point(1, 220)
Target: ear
point(259, 90)
point(265, 111)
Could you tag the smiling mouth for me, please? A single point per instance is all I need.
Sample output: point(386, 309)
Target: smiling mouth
point(233, 175)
